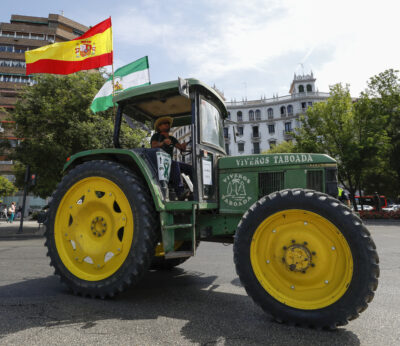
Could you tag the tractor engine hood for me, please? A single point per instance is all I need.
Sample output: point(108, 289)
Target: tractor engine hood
point(269, 160)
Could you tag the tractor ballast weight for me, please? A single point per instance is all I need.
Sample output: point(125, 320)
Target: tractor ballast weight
point(301, 254)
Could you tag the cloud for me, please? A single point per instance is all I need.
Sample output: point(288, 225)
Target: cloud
point(254, 40)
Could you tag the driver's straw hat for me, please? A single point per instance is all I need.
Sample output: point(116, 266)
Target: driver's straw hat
point(162, 120)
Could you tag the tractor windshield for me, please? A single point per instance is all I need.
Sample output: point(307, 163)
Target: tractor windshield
point(211, 125)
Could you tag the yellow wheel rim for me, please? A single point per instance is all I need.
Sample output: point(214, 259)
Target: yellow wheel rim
point(93, 228)
point(301, 259)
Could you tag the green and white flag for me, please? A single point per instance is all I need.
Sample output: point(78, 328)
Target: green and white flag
point(126, 77)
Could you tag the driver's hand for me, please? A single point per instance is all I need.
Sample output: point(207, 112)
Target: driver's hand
point(167, 141)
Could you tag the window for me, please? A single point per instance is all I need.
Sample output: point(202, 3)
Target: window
point(290, 110)
point(304, 105)
point(309, 104)
point(229, 115)
point(211, 129)
point(240, 130)
point(251, 115)
point(256, 148)
point(271, 128)
point(288, 127)
point(239, 116)
point(241, 147)
point(258, 114)
point(227, 148)
point(6, 49)
point(225, 132)
point(309, 87)
point(272, 144)
point(301, 88)
point(256, 134)
point(283, 111)
point(270, 113)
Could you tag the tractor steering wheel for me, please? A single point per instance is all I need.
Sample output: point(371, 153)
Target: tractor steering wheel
point(187, 152)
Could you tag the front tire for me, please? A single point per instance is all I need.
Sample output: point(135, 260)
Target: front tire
point(101, 229)
point(306, 259)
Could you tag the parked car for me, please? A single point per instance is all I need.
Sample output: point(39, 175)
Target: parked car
point(392, 207)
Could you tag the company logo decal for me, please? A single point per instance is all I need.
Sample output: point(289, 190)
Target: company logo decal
point(276, 159)
point(236, 190)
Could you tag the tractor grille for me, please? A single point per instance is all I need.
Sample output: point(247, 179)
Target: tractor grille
point(270, 182)
point(315, 180)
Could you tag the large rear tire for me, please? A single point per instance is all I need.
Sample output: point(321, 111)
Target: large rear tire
point(305, 258)
point(101, 229)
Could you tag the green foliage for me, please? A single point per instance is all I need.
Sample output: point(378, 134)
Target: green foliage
point(383, 95)
point(54, 118)
point(349, 132)
point(284, 147)
point(7, 188)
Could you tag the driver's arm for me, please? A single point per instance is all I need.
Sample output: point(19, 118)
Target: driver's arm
point(156, 144)
point(181, 146)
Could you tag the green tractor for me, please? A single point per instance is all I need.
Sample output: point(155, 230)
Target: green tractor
point(301, 254)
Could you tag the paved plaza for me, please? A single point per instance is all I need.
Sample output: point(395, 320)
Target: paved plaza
point(199, 303)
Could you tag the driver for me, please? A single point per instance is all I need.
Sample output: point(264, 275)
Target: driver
point(162, 139)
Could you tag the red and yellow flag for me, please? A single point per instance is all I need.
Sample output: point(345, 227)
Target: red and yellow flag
point(91, 50)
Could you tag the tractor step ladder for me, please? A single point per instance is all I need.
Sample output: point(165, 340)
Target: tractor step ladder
point(181, 254)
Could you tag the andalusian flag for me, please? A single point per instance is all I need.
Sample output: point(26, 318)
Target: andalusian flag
point(91, 50)
point(126, 77)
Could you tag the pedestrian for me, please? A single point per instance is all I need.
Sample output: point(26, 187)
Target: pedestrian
point(4, 212)
point(377, 201)
point(11, 211)
point(343, 197)
point(19, 211)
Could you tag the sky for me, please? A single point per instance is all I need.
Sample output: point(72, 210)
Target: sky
point(247, 49)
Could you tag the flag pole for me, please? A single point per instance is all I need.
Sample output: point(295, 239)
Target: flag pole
point(113, 88)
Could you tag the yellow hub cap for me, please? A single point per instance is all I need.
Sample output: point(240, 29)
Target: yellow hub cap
point(301, 259)
point(93, 229)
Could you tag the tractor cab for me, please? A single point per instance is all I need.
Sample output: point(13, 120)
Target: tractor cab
point(189, 103)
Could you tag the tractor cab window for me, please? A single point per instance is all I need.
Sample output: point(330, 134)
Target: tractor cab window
point(212, 130)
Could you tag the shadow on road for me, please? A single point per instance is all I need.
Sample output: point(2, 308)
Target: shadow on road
point(210, 315)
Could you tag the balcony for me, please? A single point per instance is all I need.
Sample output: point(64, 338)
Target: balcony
point(287, 134)
point(255, 137)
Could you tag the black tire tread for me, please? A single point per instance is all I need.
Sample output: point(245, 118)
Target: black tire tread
point(145, 235)
point(285, 314)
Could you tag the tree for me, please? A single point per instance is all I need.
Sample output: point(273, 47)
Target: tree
point(348, 132)
point(284, 147)
point(383, 101)
point(7, 188)
point(54, 120)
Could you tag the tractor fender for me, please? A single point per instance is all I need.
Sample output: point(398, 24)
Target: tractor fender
point(128, 158)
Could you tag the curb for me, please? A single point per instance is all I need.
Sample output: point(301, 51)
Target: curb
point(381, 222)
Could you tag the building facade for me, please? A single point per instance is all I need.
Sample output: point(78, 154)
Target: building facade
point(256, 126)
point(21, 34)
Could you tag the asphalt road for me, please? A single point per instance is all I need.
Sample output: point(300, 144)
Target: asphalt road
point(201, 302)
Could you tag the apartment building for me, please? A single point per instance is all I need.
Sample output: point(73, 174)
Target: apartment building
point(21, 34)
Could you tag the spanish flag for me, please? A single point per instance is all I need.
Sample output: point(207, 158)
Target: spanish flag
point(91, 50)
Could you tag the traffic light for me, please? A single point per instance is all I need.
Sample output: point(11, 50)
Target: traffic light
point(32, 180)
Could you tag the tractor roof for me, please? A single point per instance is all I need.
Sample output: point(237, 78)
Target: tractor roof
point(164, 99)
